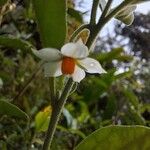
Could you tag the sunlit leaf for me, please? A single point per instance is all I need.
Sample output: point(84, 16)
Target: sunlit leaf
point(42, 119)
point(117, 138)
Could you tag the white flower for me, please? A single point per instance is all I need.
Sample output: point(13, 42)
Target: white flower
point(71, 60)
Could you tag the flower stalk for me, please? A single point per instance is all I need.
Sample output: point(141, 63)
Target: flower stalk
point(56, 112)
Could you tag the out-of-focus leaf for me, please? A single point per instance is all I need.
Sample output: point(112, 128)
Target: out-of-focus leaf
point(135, 117)
point(117, 138)
point(11, 110)
point(111, 107)
point(84, 112)
point(15, 43)
point(1, 83)
point(68, 116)
point(73, 131)
point(125, 58)
point(133, 99)
point(75, 14)
point(2, 2)
point(145, 107)
point(123, 75)
point(109, 56)
point(42, 119)
point(3, 145)
point(51, 18)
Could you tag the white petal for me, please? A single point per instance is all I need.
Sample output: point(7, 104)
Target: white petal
point(52, 69)
point(78, 74)
point(48, 54)
point(91, 65)
point(75, 50)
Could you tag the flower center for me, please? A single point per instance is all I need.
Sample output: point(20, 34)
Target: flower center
point(68, 65)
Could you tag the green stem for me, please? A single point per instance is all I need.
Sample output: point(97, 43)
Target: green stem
point(52, 90)
point(106, 9)
point(57, 109)
point(95, 29)
point(94, 12)
point(76, 32)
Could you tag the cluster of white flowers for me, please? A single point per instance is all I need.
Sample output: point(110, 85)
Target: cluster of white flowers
point(72, 60)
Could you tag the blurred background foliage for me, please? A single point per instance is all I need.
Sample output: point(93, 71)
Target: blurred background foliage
point(120, 97)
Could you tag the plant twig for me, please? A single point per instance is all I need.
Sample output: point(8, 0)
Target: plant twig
point(52, 90)
point(57, 109)
point(106, 9)
point(95, 29)
point(94, 12)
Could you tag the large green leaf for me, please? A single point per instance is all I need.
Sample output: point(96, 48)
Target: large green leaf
point(51, 17)
point(117, 138)
point(11, 110)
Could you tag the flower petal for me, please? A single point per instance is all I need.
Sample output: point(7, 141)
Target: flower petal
point(52, 69)
point(48, 54)
point(91, 65)
point(75, 50)
point(78, 74)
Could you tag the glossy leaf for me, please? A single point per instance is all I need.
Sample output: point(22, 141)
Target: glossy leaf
point(117, 138)
point(51, 18)
point(11, 110)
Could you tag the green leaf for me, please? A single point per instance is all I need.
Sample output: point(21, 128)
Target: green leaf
point(11, 110)
point(136, 1)
point(117, 138)
point(123, 75)
point(126, 15)
point(115, 53)
point(42, 119)
point(75, 14)
point(51, 18)
point(131, 97)
point(109, 56)
point(15, 43)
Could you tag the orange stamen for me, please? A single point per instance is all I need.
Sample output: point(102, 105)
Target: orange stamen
point(68, 65)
